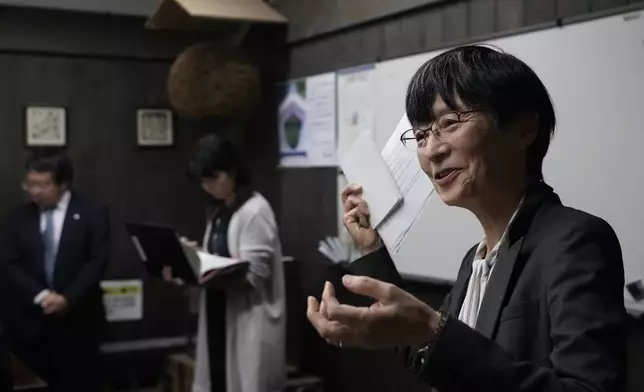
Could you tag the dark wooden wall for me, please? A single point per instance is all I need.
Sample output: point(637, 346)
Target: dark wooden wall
point(102, 69)
point(308, 197)
point(425, 29)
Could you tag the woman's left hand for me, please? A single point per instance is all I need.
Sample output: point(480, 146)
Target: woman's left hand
point(397, 318)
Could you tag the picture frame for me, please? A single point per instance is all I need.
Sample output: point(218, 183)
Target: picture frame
point(155, 128)
point(45, 126)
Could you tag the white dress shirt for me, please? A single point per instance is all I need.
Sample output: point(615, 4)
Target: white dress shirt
point(59, 213)
point(482, 268)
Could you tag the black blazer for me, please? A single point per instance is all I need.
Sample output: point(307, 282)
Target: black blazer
point(82, 257)
point(552, 317)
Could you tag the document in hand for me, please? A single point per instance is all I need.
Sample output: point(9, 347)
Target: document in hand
point(209, 268)
point(160, 246)
point(363, 164)
point(414, 185)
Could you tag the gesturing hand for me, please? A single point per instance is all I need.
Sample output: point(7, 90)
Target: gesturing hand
point(397, 317)
point(356, 220)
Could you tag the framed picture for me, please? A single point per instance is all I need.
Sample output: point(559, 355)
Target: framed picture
point(155, 127)
point(45, 126)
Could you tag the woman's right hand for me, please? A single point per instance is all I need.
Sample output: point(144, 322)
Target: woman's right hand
point(192, 244)
point(356, 220)
point(166, 272)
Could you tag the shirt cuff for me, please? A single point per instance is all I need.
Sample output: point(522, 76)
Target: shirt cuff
point(38, 299)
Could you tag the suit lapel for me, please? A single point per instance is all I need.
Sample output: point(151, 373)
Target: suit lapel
point(33, 224)
point(32, 227)
point(501, 278)
point(460, 287)
point(496, 290)
point(67, 229)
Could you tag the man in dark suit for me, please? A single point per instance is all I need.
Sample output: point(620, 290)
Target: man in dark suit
point(538, 304)
point(55, 252)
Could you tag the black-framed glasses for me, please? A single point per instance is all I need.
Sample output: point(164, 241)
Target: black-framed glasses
point(443, 125)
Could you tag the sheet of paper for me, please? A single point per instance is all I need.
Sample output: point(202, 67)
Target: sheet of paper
point(413, 183)
point(211, 262)
point(123, 299)
point(321, 100)
point(356, 89)
point(307, 122)
point(363, 164)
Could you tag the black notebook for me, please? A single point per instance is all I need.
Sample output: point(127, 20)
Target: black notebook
point(159, 246)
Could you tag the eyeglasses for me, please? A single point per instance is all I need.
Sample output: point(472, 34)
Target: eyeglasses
point(441, 127)
point(33, 186)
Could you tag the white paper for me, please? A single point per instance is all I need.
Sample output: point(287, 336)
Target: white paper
point(356, 89)
point(307, 122)
point(320, 98)
point(363, 164)
point(211, 262)
point(202, 262)
point(342, 231)
point(413, 183)
point(123, 299)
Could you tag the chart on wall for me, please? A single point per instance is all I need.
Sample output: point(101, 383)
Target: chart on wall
point(307, 122)
point(356, 114)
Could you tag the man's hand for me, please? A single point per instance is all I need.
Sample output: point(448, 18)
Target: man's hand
point(397, 318)
point(54, 304)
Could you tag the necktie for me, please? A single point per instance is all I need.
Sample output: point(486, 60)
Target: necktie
point(475, 290)
point(50, 246)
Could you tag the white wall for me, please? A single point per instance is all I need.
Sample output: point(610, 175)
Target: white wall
point(594, 72)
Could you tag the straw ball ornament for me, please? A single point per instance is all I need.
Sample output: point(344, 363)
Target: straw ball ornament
point(207, 79)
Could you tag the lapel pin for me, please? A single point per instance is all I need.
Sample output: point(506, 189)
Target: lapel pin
point(76, 217)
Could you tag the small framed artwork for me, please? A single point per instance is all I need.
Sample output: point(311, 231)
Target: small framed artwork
point(155, 127)
point(45, 126)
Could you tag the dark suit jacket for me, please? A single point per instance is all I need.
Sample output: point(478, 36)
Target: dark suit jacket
point(552, 317)
point(82, 257)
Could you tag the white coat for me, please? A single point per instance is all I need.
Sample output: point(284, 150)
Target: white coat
point(256, 317)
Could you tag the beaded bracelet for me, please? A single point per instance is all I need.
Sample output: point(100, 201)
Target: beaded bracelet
point(439, 329)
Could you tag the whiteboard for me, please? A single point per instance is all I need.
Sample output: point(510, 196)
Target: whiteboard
point(594, 72)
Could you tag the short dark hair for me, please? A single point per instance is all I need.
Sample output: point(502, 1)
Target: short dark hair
point(212, 154)
point(486, 79)
point(54, 161)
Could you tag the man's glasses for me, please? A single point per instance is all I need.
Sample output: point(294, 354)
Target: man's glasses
point(36, 186)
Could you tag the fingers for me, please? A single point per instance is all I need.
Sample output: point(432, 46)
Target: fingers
point(356, 210)
point(328, 294)
point(351, 189)
point(331, 331)
point(166, 272)
point(356, 201)
point(363, 285)
point(313, 306)
point(334, 311)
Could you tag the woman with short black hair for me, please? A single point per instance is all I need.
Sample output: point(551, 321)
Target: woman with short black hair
point(538, 304)
point(241, 341)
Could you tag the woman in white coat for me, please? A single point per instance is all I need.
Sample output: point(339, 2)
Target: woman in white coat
point(241, 341)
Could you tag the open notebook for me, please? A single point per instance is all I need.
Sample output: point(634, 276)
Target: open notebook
point(207, 267)
point(159, 246)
